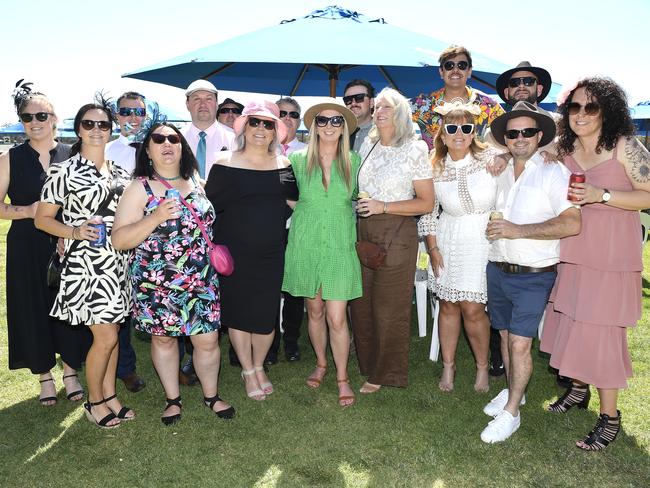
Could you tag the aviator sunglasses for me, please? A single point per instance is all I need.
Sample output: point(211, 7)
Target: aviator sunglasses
point(336, 121)
point(358, 98)
point(528, 132)
point(267, 124)
point(466, 129)
point(128, 111)
point(526, 80)
point(160, 138)
point(90, 124)
point(591, 108)
point(461, 65)
point(292, 114)
point(40, 116)
point(230, 110)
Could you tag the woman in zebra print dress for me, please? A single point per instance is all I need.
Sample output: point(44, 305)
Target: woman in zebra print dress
point(93, 283)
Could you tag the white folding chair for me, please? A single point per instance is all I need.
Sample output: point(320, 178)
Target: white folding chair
point(645, 227)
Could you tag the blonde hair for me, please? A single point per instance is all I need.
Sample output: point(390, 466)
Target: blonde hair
point(402, 119)
point(440, 149)
point(344, 165)
point(40, 97)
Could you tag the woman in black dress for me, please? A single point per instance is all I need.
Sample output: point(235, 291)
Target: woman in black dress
point(34, 336)
point(249, 189)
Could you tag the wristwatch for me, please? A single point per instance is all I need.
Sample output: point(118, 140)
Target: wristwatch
point(606, 196)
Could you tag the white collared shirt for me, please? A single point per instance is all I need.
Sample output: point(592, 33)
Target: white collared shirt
point(295, 145)
point(217, 138)
point(121, 153)
point(539, 194)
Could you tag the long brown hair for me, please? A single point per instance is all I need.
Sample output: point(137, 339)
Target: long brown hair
point(440, 149)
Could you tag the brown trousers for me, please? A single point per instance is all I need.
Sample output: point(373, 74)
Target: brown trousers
point(381, 318)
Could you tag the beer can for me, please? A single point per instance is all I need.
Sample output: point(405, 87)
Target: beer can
point(575, 178)
point(173, 193)
point(98, 222)
point(496, 216)
point(364, 194)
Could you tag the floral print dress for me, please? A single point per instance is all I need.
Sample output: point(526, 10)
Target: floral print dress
point(175, 289)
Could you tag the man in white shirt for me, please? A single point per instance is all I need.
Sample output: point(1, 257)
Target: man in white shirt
point(290, 115)
point(532, 196)
point(205, 135)
point(359, 96)
point(130, 115)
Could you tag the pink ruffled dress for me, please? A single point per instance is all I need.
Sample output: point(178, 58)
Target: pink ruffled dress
point(597, 294)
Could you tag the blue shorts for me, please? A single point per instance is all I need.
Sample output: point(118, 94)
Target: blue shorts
point(516, 301)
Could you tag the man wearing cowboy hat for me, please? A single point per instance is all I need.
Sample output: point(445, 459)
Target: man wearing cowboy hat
point(228, 111)
point(524, 83)
point(531, 195)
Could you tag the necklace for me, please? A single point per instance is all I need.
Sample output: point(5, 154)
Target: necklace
point(174, 178)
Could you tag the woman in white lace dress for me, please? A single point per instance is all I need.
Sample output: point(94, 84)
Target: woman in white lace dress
point(456, 241)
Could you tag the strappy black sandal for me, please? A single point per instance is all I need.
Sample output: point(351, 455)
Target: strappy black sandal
point(47, 399)
point(81, 392)
point(605, 431)
point(123, 411)
point(226, 413)
point(172, 419)
point(103, 423)
point(576, 395)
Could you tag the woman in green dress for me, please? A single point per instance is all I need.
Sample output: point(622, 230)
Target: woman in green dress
point(321, 263)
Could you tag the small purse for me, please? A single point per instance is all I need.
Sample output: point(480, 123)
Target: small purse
point(371, 255)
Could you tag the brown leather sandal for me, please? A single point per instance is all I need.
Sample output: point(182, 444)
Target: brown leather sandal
point(314, 380)
point(343, 399)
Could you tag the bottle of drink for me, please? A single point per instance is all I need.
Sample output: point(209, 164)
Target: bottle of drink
point(496, 216)
point(98, 222)
point(173, 194)
point(363, 194)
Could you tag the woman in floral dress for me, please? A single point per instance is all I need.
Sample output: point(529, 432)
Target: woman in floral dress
point(175, 290)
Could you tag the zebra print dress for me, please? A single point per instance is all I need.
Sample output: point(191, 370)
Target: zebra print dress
point(93, 283)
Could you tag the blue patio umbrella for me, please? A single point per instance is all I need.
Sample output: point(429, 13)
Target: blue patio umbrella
point(317, 55)
point(641, 115)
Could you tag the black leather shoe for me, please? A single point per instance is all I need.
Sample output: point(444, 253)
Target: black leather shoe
point(188, 367)
point(271, 359)
point(292, 354)
point(497, 370)
point(133, 382)
point(187, 379)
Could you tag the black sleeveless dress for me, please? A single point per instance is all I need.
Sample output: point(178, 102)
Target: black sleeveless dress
point(34, 336)
point(251, 220)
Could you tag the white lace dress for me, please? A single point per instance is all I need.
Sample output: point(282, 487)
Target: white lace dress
point(466, 192)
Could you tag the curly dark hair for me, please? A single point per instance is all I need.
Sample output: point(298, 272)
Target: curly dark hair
point(189, 165)
point(614, 111)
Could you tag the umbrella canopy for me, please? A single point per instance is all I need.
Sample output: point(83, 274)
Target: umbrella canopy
point(317, 55)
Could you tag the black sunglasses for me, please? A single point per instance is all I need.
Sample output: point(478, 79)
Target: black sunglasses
point(292, 114)
point(230, 110)
point(90, 124)
point(592, 108)
point(358, 98)
point(528, 132)
point(160, 138)
point(40, 116)
point(461, 65)
point(128, 111)
point(526, 80)
point(336, 121)
point(466, 129)
point(267, 124)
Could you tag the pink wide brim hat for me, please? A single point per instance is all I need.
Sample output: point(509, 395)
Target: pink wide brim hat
point(266, 110)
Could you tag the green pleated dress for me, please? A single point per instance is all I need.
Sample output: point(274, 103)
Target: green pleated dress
point(320, 252)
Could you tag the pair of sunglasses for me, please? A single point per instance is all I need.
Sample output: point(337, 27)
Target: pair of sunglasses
point(160, 138)
point(230, 110)
point(358, 98)
point(461, 65)
point(526, 80)
point(40, 116)
point(591, 108)
point(466, 129)
point(255, 122)
point(292, 114)
point(528, 132)
point(102, 124)
point(128, 111)
point(336, 121)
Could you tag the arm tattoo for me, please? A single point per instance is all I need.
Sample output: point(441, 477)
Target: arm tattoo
point(639, 158)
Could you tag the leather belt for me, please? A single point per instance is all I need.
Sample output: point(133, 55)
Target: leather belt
point(516, 268)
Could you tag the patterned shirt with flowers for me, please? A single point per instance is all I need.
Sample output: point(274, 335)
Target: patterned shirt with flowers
point(423, 105)
point(175, 289)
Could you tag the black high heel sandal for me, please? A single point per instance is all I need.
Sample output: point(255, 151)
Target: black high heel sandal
point(576, 395)
point(81, 392)
point(226, 413)
point(123, 411)
point(605, 431)
point(103, 423)
point(172, 419)
point(48, 399)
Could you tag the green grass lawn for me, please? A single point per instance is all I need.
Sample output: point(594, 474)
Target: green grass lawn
point(414, 437)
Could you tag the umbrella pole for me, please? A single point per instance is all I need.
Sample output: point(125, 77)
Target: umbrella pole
point(334, 78)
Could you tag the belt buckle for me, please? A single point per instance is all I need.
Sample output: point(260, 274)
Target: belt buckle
point(513, 268)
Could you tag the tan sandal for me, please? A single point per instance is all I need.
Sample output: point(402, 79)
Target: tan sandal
point(267, 386)
point(343, 399)
point(315, 380)
point(257, 394)
point(367, 388)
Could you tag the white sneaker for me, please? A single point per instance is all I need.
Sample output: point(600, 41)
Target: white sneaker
point(498, 403)
point(502, 427)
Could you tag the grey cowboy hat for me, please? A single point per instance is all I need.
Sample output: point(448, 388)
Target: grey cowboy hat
point(524, 109)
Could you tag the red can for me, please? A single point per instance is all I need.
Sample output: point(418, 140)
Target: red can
point(575, 178)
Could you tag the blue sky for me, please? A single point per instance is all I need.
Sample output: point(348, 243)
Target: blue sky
point(71, 48)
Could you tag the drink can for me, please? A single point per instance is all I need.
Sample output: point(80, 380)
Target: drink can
point(496, 216)
point(173, 193)
point(98, 222)
point(364, 194)
point(575, 178)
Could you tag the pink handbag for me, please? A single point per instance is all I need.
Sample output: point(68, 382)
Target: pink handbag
point(220, 257)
